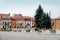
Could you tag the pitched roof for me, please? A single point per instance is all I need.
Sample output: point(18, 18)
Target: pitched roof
point(27, 18)
point(17, 16)
point(2, 15)
point(13, 17)
point(5, 14)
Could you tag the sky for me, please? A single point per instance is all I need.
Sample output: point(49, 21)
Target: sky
point(28, 7)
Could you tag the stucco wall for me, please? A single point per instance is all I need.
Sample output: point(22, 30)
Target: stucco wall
point(56, 24)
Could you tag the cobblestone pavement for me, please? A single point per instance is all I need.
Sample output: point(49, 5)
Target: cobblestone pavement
point(28, 36)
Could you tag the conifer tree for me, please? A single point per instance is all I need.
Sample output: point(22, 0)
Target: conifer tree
point(42, 20)
point(38, 17)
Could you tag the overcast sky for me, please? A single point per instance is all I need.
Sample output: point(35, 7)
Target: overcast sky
point(28, 7)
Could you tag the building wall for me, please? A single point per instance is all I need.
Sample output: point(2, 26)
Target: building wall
point(6, 23)
point(13, 20)
point(18, 22)
point(56, 24)
point(1, 24)
point(28, 22)
point(13, 23)
point(33, 23)
point(0, 17)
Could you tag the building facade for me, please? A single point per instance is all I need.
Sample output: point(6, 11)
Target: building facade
point(5, 21)
point(20, 21)
point(56, 23)
point(15, 21)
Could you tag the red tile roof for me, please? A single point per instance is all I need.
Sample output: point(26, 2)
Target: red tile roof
point(13, 17)
point(5, 14)
point(27, 18)
point(1, 15)
point(17, 16)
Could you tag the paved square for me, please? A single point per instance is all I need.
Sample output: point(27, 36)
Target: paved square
point(28, 36)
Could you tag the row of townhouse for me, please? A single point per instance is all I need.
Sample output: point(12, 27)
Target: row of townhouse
point(15, 21)
point(19, 21)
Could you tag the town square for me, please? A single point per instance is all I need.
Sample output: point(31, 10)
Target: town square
point(29, 19)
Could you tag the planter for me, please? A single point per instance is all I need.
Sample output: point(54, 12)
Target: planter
point(15, 30)
point(35, 29)
point(19, 30)
point(9, 29)
point(53, 31)
point(27, 30)
point(2, 29)
point(39, 30)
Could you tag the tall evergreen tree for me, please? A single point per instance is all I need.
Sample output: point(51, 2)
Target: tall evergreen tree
point(42, 20)
point(39, 17)
point(46, 21)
